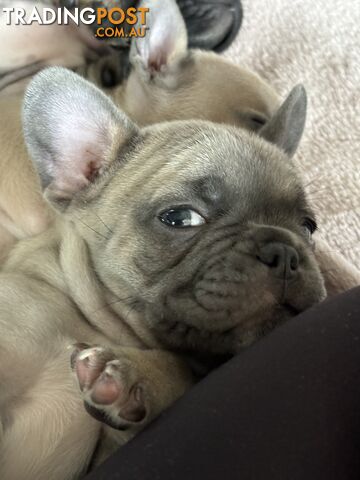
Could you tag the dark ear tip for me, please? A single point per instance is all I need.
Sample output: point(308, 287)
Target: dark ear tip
point(297, 102)
point(299, 93)
point(300, 89)
point(286, 127)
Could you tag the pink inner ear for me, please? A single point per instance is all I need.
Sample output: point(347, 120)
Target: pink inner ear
point(91, 170)
point(83, 144)
point(74, 176)
point(72, 181)
point(157, 60)
point(161, 49)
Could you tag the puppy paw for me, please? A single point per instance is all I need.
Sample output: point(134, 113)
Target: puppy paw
point(110, 386)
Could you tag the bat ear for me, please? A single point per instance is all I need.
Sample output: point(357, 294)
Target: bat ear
point(286, 127)
point(71, 129)
point(165, 42)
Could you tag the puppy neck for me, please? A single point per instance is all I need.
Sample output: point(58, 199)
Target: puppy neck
point(102, 309)
point(60, 258)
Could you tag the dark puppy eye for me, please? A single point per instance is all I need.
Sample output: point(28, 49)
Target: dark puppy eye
point(181, 218)
point(309, 226)
point(108, 77)
point(258, 120)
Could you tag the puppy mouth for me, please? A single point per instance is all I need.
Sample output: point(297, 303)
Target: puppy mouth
point(181, 335)
point(179, 332)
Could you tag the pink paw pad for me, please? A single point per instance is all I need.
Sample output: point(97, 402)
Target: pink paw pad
point(104, 383)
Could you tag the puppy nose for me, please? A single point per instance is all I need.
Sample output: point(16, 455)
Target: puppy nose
point(282, 259)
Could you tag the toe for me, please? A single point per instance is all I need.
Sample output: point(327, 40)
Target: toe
point(88, 365)
point(134, 409)
point(106, 390)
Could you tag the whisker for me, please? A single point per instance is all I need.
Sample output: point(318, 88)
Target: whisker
point(130, 309)
point(102, 221)
point(328, 270)
point(91, 228)
point(119, 300)
point(312, 181)
point(338, 250)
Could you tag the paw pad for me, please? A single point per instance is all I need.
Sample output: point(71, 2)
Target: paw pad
point(107, 385)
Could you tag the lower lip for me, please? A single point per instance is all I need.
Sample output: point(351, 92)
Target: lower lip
point(291, 309)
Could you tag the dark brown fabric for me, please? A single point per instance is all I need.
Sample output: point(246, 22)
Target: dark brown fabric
point(286, 408)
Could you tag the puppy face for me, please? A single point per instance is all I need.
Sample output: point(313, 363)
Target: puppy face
point(204, 230)
point(222, 251)
point(170, 82)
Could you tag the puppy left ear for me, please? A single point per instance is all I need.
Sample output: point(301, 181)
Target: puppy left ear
point(286, 127)
point(165, 41)
point(72, 131)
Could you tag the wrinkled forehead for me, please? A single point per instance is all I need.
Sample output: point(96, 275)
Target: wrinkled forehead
point(227, 166)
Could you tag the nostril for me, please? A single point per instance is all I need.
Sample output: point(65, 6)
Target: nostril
point(269, 259)
point(282, 259)
point(271, 255)
point(274, 262)
point(294, 261)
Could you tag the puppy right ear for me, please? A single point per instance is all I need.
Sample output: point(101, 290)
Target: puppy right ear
point(165, 42)
point(286, 127)
point(72, 131)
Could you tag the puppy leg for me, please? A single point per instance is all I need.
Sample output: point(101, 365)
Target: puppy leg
point(7, 241)
point(46, 433)
point(125, 389)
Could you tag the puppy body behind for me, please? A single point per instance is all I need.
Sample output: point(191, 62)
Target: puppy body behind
point(23, 212)
point(168, 82)
point(135, 267)
point(26, 49)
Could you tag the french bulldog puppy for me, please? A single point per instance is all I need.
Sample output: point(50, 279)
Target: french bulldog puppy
point(178, 238)
point(168, 82)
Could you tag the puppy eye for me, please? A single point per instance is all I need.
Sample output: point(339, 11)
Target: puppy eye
point(108, 77)
point(182, 218)
point(309, 226)
point(258, 120)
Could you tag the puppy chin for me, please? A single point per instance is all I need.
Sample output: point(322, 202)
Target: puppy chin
point(181, 333)
point(245, 337)
point(181, 323)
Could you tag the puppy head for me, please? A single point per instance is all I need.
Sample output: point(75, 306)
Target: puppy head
point(203, 229)
point(170, 82)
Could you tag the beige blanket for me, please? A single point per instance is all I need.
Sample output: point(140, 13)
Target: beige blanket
point(316, 43)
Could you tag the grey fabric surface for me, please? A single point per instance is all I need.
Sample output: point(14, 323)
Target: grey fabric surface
point(316, 43)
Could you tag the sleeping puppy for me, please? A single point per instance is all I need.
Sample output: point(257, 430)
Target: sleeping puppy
point(177, 238)
point(168, 82)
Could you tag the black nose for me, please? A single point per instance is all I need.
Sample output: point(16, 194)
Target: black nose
point(281, 258)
